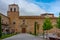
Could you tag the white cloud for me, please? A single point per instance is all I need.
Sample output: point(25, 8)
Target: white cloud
point(30, 8)
point(26, 8)
point(55, 8)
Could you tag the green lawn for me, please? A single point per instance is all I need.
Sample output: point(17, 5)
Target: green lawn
point(7, 35)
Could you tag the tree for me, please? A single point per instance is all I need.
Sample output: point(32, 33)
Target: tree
point(35, 25)
point(38, 27)
point(47, 25)
point(0, 28)
point(58, 24)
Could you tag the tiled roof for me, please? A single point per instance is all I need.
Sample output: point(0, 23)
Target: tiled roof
point(34, 17)
point(3, 15)
point(47, 14)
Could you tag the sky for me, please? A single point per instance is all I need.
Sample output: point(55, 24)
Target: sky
point(32, 7)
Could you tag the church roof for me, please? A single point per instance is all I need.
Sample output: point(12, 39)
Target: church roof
point(3, 15)
point(47, 14)
point(30, 17)
point(13, 5)
point(34, 17)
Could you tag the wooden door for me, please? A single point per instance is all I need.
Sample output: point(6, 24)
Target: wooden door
point(23, 30)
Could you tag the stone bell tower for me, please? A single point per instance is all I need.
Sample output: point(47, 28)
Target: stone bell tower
point(13, 14)
point(13, 11)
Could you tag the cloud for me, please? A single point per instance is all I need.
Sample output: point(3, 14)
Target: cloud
point(55, 8)
point(3, 7)
point(31, 8)
point(26, 8)
point(50, 7)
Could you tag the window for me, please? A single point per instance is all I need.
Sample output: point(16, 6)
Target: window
point(10, 9)
point(14, 9)
point(24, 21)
point(14, 23)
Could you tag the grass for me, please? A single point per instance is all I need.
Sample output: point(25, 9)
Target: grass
point(34, 34)
point(7, 35)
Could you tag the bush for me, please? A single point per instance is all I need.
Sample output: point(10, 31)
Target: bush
point(0, 28)
point(7, 35)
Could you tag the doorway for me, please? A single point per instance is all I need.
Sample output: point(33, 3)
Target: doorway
point(23, 30)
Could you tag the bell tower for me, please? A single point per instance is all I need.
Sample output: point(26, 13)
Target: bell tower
point(13, 14)
point(13, 10)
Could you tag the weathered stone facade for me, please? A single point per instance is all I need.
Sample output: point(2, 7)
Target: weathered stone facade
point(25, 24)
point(5, 23)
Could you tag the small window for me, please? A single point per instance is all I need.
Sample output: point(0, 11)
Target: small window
point(11, 9)
point(14, 9)
point(24, 21)
point(14, 23)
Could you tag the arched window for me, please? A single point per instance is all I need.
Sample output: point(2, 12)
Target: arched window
point(11, 9)
point(14, 9)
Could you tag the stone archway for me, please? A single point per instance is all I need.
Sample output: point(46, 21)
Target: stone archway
point(23, 30)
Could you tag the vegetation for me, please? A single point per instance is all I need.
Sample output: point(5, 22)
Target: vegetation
point(0, 28)
point(46, 25)
point(58, 22)
point(58, 25)
point(7, 35)
point(35, 28)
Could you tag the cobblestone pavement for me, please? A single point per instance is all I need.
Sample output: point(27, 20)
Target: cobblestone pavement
point(24, 37)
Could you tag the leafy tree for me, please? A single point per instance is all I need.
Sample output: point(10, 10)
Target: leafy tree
point(58, 25)
point(46, 25)
point(58, 22)
point(0, 28)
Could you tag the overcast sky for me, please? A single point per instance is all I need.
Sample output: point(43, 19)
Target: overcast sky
point(32, 7)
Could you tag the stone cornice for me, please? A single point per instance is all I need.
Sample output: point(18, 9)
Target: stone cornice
point(35, 17)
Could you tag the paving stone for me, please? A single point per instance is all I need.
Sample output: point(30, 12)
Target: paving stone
point(23, 37)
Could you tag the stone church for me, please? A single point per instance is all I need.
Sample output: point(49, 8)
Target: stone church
point(24, 24)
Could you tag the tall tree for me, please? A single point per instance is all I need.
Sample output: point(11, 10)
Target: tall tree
point(58, 22)
point(47, 25)
point(38, 28)
point(35, 25)
point(0, 28)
